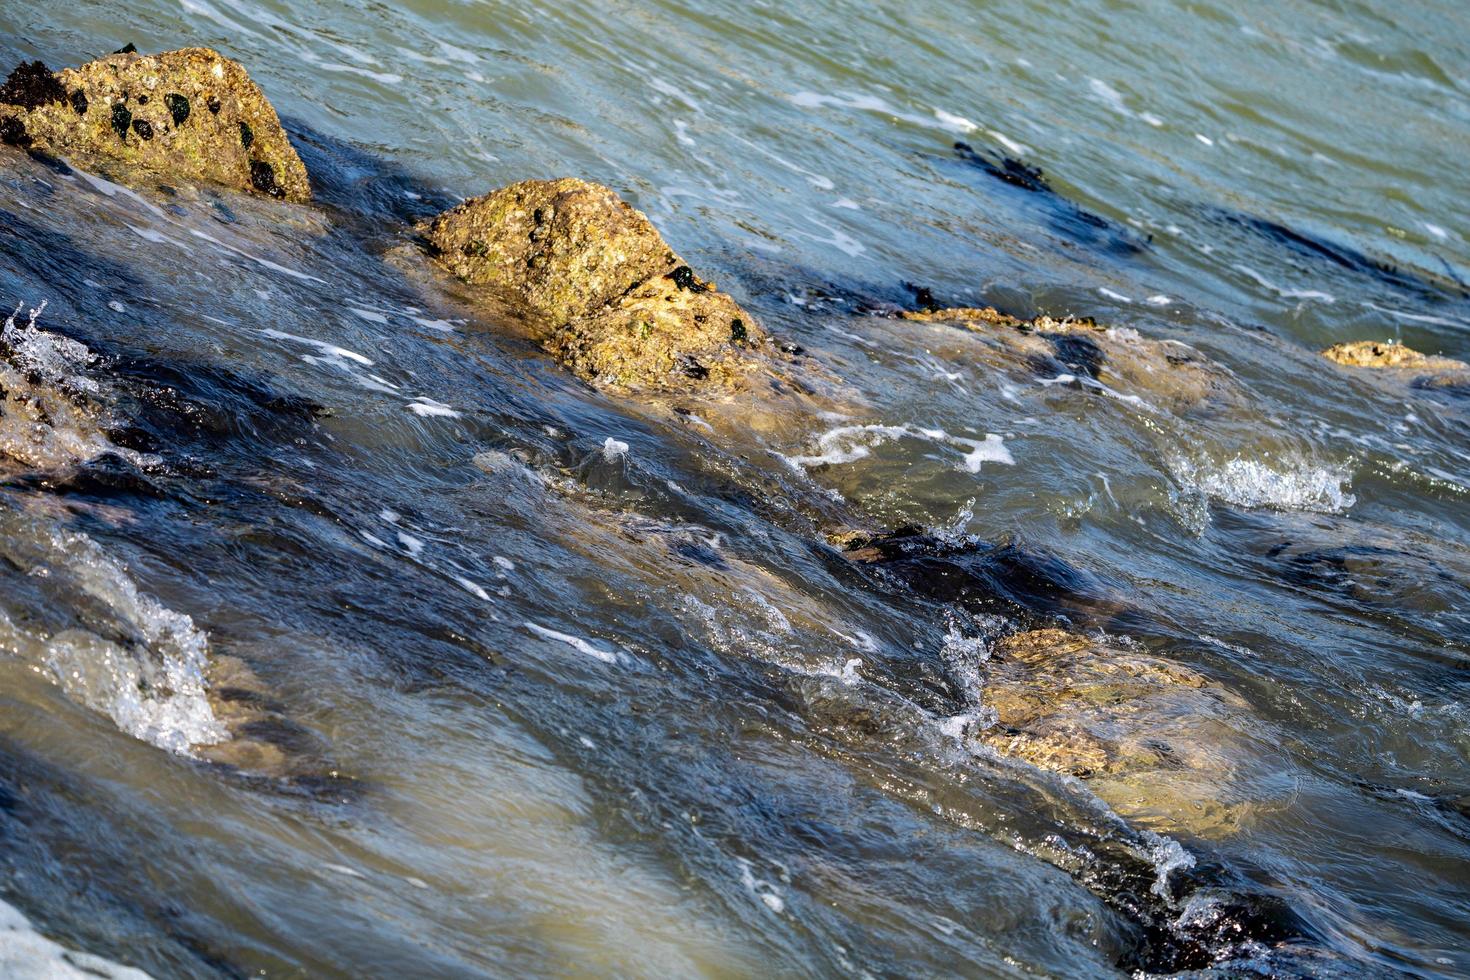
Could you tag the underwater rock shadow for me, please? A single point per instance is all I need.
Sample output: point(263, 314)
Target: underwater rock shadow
point(1067, 218)
point(356, 181)
point(1311, 249)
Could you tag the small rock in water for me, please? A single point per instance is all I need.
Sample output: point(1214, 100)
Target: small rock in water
point(615, 304)
point(242, 143)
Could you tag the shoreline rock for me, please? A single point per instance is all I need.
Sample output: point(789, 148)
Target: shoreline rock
point(188, 114)
point(605, 294)
point(1167, 372)
point(1395, 359)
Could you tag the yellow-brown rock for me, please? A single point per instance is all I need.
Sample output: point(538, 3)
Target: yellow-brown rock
point(1372, 354)
point(190, 114)
point(604, 292)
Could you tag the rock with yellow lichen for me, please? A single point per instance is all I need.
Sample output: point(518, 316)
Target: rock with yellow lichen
point(190, 114)
point(605, 294)
point(1164, 373)
point(1424, 370)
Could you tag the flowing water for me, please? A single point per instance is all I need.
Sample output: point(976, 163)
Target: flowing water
point(536, 679)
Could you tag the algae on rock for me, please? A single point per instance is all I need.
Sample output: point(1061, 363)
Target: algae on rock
point(190, 114)
point(610, 299)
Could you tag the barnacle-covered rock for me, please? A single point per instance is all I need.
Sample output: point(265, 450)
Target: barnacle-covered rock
point(608, 297)
point(190, 114)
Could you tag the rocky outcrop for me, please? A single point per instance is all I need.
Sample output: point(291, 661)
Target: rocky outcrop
point(1424, 370)
point(190, 114)
point(1164, 373)
point(605, 293)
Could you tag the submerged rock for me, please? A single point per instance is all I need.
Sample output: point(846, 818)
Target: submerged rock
point(1167, 374)
point(187, 114)
point(608, 297)
point(1425, 370)
point(50, 415)
point(1151, 737)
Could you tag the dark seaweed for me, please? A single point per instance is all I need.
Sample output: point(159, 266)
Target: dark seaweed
point(1068, 219)
point(1008, 169)
point(31, 86)
point(247, 136)
point(13, 132)
point(737, 330)
point(690, 367)
point(263, 179)
point(79, 102)
point(178, 107)
point(121, 120)
point(923, 296)
point(1317, 248)
point(143, 128)
point(213, 104)
point(684, 278)
point(129, 48)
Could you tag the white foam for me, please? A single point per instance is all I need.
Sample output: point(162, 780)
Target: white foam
point(27, 955)
point(266, 263)
point(473, 588)
point(429, 408)
point(443, 326)
point(1204, 139)
point(953, 123)
point(371, 316)
point(1108, 95)
point(1283, 292)
point(1110, 294)
point(158, 697)
point(1253, 483)
point(331, 350)
point(613, 449)
point(992, 449)
point(850, 443)
point(1158, 299)
point(414, 546)
point(575, 642)
point(768, 894)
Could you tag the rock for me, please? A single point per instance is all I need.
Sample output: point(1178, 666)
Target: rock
point(1402, 363)
point(607, 296)
point(1166, 374)
point(50, 415)
point(188, 114)
point(1151, 737)
point(1371, 354)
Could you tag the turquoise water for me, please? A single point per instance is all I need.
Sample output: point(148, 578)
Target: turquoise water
point(551, 707)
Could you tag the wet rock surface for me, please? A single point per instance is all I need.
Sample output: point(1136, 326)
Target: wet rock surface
point(1167, 374)
point(189, 114)
point(1400, 361)
point(611, 300)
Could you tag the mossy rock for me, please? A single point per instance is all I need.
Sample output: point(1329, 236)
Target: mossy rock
point(190, 114)
point(612, 301)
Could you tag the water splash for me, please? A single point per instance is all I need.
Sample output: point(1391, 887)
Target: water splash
point(1259, 483)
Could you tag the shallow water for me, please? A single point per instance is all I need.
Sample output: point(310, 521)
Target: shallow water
point(555, 682)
